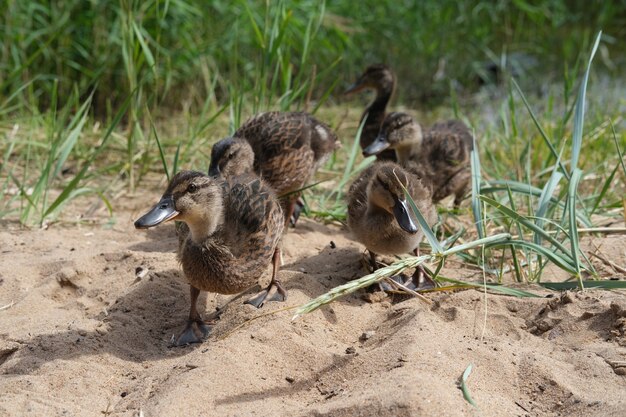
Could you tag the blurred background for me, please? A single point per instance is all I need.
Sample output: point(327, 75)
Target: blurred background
point(178, 53)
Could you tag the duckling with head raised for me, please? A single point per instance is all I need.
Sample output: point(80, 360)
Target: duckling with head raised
point(230, 233)
point(378, 77)
point(284, 148)
point(442, 154)
point(379, 215)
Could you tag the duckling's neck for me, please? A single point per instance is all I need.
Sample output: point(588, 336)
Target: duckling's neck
point(203, 226)
point(383, 94)
point(408, 151)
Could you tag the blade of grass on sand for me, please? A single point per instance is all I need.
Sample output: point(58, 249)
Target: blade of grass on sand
point(388, 271)
point(602, 284)
point(352, 286)
point(515, 292)
point(464, 388)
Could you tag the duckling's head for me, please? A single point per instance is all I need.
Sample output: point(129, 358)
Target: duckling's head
point(385, 191)
point(231, 157)
point(191, 197)
point(398, 130)
point(378, 77)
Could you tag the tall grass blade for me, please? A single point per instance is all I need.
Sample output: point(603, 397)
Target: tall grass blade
point(573, 227)
point(544, 200)
point(543, 133)
point(65, 194)
point(476, 179)
point(522, 188)
point(428, 232)
point(560, 261)
point(579, 115)
point(526, 223)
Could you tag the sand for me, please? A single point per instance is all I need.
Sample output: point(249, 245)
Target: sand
point(88, 312)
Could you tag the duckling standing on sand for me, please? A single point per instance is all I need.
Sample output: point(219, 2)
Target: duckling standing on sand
point(442, 155)
point(380, 217)
point(378, 77)
point(284, 148)
point(229, 233)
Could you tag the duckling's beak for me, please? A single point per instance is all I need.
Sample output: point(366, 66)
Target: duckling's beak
point(376, 147)
point(401, 213)
point(214, 170)
point(357, 86)
point(163, 211)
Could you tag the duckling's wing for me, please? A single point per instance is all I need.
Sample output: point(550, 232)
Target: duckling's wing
point(455, 127)
point(357, 195)
point(273, 133)
point(447, 148)
point(253, 218)
point(288, 147)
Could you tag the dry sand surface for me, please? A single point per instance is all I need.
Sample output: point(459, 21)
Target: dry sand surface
point(87, 314)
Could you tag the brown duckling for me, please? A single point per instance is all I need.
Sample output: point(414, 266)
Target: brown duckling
point(442, 154)
point(229, 233)
point(380, 217)
point(284, 148)
point(378, 77)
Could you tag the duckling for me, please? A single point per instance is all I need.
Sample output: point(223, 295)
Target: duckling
point(380, 217)
point(442, 154)
point(381, 78)
point(284, 148)
point(229, 233)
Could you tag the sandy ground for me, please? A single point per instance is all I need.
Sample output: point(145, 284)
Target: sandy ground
point(87, 314)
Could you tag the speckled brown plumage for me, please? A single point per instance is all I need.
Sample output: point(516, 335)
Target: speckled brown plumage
point(287, 149)
point(441, 154)
point(370, 208)
point(234, 257)
point(378, 77)
point(228, 233)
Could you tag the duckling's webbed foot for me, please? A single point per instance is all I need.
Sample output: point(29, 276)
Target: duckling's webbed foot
point(195, 332)
point(389, 287)
point(197, 329)
point(275, 292)
point(297, 209)
point(420, 281)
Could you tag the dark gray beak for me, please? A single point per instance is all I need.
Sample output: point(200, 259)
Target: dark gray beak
point(163, 211)
point(214, 170)
point(401, 213)
point(376, 147)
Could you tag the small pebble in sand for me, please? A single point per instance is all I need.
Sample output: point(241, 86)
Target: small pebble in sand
point(332, 245)
point(350, 350)
point(367, 335)
point(620, 371)
point(290, 379)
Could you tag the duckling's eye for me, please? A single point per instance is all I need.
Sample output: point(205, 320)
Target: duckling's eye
point(192, 188)
point(231, 155)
